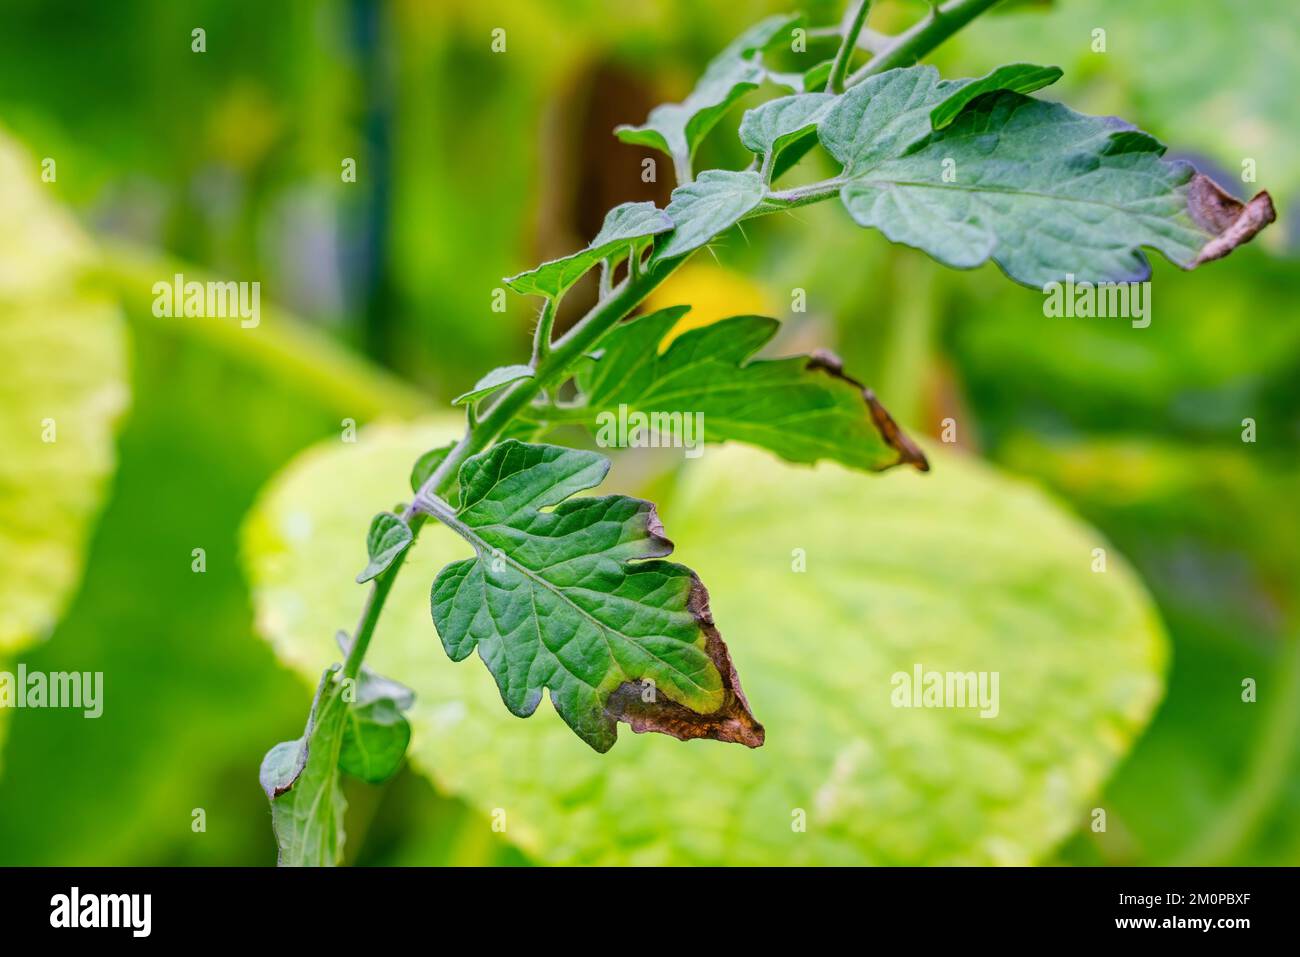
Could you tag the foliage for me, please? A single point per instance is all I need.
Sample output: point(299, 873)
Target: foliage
point(576, 600)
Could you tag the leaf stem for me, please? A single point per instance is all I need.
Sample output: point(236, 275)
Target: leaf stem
point(908, 47)
point(849, 43)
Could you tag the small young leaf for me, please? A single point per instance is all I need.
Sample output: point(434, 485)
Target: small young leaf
point(577, 599)
point(1045, 192)
point(498, 378)
point(624, 227)
point(427, 464)
point(301, 780)
point(375, 734)
point(389, 536)
point(771, 127)
point(802, 408)
point(678, 128)
point(707, 207)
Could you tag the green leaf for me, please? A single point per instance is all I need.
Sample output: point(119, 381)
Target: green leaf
point(803, 407)
point(962, 569)
point(885, 115)
point(498, 378)
point(301, 780)
point(678, 128)
point(63, 391)
point(769, 128)
point(1046, 192)
point(1043, 191)
point(706, 208)
point(389, 536)
point(376, 733)
point(624, 228)
point(575, 599)
point(1017, 77)
point(427, 464)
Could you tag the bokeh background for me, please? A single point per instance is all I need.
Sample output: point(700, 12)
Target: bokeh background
point(473, 166)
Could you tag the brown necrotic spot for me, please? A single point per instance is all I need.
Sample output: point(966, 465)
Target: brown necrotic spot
point(732, 722)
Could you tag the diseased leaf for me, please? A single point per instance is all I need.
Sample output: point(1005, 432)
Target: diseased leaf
point(577, 600)
point(802, 407)
point(389, 536)
point(301, 780)
point(498, 378)
point(769, 128)
point(966, 569)
point(706, 208)
point(1046, 192)
point(678, 128)
point(624, 228)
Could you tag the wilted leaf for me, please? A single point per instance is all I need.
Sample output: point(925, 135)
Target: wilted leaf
point(961, 570)
point(574, 599)
point(624, 228)
point(801, 407)
point(706, 208)
point(301, 780)
point(389, 536)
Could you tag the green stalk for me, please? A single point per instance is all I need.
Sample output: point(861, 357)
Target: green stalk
point(908, 47)
point(552, 365)
point(849, 43)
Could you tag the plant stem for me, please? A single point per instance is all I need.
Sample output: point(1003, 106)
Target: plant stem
point(542, 336)
point(908, 47)
point(849, 43)
point(550, 371)
point(551, 361)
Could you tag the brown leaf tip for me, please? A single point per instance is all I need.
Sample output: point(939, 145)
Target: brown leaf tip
point(898, 440)
point(733, 722)
point(1232, 222)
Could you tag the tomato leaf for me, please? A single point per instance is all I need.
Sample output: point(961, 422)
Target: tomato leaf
point(678, 128)
point(577, 599)
point(376, 732)
point(803, 408)
point(389, 536)
point(301, 780)
point(1041, 190)
point(707, 208)
point(493, 381)
point(624, 227)
point(768, 129)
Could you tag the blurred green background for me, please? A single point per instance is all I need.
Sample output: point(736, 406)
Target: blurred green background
point(473, 166)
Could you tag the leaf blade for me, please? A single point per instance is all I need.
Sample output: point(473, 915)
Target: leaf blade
point(705, 209)
point(803, 408)
point(388, 537)
point(576, 600)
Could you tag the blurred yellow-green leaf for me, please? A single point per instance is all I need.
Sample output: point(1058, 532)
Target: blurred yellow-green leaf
point(962, 570)
point(63, 390)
